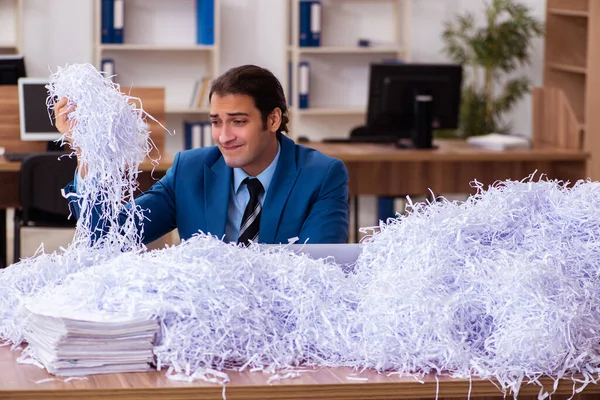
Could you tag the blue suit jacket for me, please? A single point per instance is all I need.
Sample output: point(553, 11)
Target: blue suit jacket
point(307, 198)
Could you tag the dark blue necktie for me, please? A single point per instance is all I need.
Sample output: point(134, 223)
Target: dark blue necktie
point(251, 219)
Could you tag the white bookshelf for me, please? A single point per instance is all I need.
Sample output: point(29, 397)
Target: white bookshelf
point(346, 50)
point(159, 49)
point(156, 47)
point(339, 68)
point(11, 17)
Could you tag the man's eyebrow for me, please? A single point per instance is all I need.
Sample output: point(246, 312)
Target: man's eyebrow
point(233, 114)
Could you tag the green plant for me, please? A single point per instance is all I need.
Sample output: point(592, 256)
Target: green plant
point(487, 54)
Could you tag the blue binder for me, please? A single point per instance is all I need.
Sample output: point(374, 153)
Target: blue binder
point(290, 86)
point(118, 21)
point(304, 33)
point(205, 22)
point(107, 21)
point(187, 135)
point(303, 84)
point(315, 23)
point(194, 135)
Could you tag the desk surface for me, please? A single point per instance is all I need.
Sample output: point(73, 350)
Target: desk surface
point(448, 169)
point(19, 381)
point(163, 164)
point(448, 150)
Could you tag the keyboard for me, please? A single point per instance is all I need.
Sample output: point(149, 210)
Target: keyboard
point(16, 156)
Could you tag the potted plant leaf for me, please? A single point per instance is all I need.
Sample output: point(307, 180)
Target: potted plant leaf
point(489, 55)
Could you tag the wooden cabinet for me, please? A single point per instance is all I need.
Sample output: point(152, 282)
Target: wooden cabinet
point(567, 107)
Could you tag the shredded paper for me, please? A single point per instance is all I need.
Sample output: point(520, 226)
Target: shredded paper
point(502, 286)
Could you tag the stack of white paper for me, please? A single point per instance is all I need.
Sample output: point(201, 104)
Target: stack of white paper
point(69, 347)
point(497, 141)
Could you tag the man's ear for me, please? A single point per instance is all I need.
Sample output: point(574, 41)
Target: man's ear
point(274, 120)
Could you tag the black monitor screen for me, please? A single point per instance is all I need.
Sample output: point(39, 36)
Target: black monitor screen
point(37, 123)
point(394, 87)
point(11, 69)
point(36, 114)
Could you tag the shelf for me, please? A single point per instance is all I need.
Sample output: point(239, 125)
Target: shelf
point(186, 110)
point(329, 111)
point(568, 13)
point(8, 47)
point(156, 47)
point(568, 68)
point(346, 50)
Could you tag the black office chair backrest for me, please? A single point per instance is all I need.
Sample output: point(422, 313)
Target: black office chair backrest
point(43, 175)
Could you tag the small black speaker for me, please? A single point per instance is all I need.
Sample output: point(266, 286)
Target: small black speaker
point(422, 134)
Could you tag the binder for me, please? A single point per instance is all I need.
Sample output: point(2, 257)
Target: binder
point(193, 135)
point(118, 21)
point(315, 23)
point(107, 10)
point(205, 22)
point(187, 135)
point(207, 139)
point(196, 135)
point(304, 34)
point(107, 66)
point(303, 84)
point(290, 86)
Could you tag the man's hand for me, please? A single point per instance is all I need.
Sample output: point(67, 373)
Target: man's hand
point(64, 126)
point(61, 112)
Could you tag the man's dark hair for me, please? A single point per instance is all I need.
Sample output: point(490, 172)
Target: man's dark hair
point(258, 83)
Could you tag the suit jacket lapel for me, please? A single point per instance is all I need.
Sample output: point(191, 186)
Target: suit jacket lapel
point(217, 190)
point(284, 178)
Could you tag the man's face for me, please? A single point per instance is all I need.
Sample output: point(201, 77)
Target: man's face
point(238, 130)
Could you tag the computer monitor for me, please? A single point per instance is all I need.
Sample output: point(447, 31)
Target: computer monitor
point(407, 101)
point(37, 122)
point(12, 67)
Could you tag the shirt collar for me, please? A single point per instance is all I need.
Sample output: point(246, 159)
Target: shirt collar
point(264, 177)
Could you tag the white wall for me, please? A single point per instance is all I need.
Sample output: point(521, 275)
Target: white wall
point(56, 33)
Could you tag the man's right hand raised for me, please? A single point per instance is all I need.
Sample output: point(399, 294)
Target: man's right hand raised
point(64, 126)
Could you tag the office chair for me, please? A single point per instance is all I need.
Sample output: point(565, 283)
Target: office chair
point(42, 177)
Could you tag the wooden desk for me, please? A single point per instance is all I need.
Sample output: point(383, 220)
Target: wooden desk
point(17, 381)
point(383, 170)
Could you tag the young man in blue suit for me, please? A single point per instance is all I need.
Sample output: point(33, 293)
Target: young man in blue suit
point(256, 184)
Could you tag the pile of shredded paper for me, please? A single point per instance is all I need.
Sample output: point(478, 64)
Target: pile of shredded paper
point(503, 286)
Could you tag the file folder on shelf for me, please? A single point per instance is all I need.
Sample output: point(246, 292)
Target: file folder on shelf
point(205, 22)
point(118, 21)
point(304, 34)
point(315, 24)
point(207, 139)
point(193, 135)
point(303, 84)
point(107, 16)
point(108, 67)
